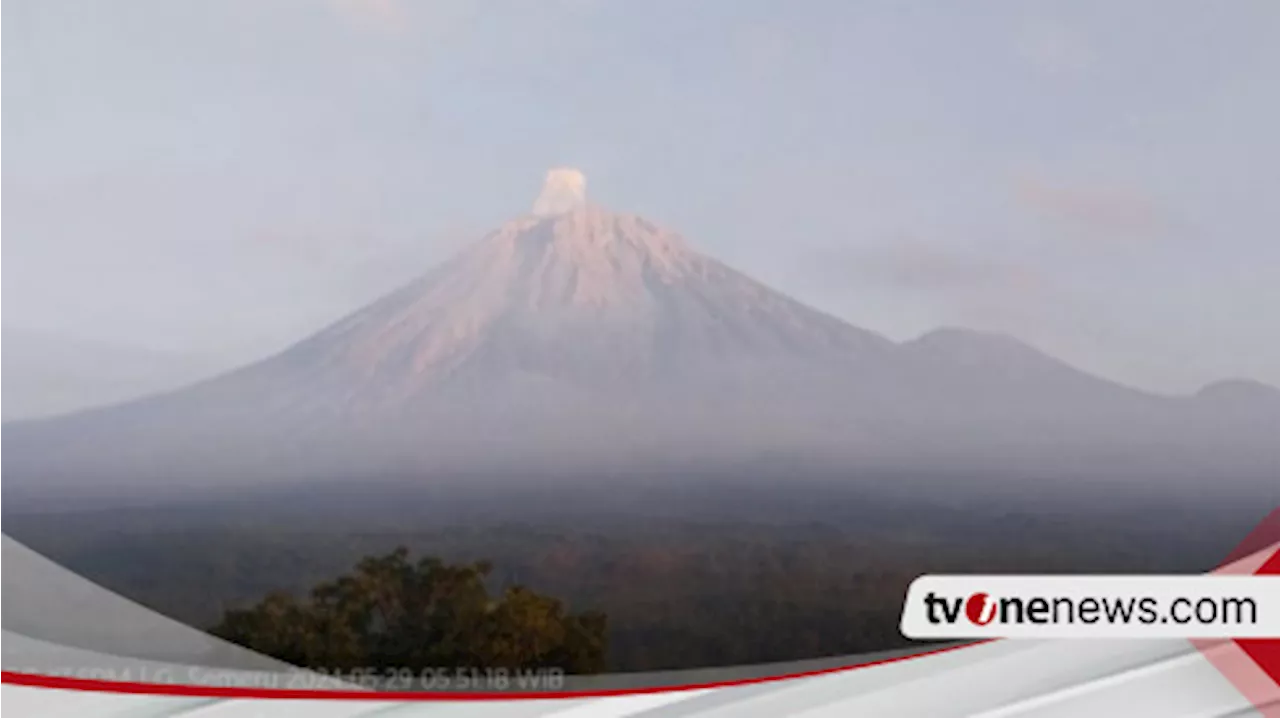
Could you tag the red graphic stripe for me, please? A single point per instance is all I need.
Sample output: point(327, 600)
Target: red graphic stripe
point(1266, 651)
point(1252, 665)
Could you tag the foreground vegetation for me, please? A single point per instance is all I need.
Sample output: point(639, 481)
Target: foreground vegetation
point(393, 614)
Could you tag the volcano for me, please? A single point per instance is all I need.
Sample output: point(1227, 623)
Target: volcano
point(577, 338)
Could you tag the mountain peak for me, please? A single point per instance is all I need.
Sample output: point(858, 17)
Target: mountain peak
point(589, 234)
point(563, 228)
point(586, 293)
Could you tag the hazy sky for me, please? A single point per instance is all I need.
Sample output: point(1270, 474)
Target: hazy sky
point(222, 177)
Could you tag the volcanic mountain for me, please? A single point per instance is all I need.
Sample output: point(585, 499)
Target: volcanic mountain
point(578, 338)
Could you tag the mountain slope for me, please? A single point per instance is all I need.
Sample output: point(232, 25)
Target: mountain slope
point(581, 338)
point(549, 330)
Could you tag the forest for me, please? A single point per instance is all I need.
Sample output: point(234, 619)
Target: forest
point(636, 588)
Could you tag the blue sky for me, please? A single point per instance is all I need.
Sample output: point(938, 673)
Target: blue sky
point(221, 178)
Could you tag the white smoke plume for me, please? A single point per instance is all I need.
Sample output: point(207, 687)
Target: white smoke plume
point(564, 190)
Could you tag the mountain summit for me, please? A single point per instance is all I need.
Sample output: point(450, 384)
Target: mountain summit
point(576, 338)
point(581, 295)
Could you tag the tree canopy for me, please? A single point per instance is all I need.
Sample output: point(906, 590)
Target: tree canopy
point(393, 613)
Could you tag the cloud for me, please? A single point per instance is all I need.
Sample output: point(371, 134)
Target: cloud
point(1104, 212)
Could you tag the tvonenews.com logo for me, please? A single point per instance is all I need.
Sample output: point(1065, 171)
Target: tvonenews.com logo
point(982, 609)
point(1092, 606)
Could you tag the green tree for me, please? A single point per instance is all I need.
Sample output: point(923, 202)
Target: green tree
point(392, 613)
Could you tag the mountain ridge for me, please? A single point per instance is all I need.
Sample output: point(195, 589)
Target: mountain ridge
point(585, 337)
